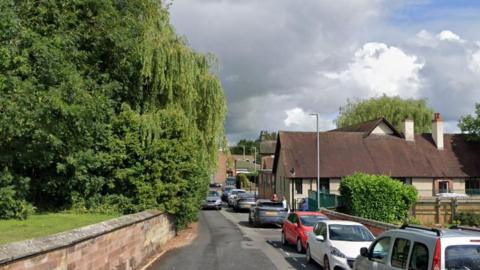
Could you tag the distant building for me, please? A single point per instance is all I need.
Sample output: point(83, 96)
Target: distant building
point(265, 176)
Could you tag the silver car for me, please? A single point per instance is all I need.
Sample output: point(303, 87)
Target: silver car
point(213, 201)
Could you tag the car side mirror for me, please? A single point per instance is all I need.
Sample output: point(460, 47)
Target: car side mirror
point(320, 238)
point(364, 252)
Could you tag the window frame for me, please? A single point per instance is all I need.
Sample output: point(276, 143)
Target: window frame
point(407, 257)
point(385, 259)
point(298, 183)
point(415, 243)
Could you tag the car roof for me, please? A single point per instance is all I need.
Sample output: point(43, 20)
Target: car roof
point(444, 233)
point(340, 222)
point(307, 213)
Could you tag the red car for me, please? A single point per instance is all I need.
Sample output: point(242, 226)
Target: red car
point(296, 226)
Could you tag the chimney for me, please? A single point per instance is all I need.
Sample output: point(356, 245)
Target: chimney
point(437, 131)
point(408, 129)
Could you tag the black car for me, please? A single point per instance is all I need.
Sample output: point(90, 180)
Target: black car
point(267, 212)
point(226, 192)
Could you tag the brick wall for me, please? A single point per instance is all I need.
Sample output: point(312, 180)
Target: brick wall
point(122, 243)
point(375, 227)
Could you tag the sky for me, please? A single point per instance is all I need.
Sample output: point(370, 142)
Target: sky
point(281, 60)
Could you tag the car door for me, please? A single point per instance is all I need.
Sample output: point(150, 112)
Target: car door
point(400, 252)
point(316, 249)
point(378, 255)
point(287, 224)
point(419, 258)
point(292, 237)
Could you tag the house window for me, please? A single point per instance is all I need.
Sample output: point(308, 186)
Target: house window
point(472, 186)
point(443, 187)
point(299, 186)
point(404, 180)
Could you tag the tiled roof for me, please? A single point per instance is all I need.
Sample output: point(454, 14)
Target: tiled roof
point(343, 153)
point(267, 147)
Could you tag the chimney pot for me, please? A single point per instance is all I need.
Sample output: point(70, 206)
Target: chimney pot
point(437, 131)
point(408, 130)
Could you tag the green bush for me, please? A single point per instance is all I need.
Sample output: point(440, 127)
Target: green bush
point(468, 219)
point(243, 181)
point(377, 197)
point(12, 197)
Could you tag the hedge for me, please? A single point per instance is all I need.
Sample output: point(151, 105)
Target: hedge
point(377, 197)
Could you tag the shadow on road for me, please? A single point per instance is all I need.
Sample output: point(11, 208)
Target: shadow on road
point(295, 259)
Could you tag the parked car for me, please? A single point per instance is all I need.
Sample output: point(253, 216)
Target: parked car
point(417, 248)
point(267, 212)
point(297, 226)
point(244, 201)
point(233, 195)
point(226, 192)
point(215, 185)
point(335, 244)
point(213, 200)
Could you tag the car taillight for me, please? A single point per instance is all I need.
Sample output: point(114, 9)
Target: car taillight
point(437, 255)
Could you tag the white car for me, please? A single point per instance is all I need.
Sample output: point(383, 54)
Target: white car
point(335, 244)
point(421, 248)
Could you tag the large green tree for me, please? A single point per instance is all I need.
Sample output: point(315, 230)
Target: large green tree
point(470, 124)
point(394, 109)
point(104, 106)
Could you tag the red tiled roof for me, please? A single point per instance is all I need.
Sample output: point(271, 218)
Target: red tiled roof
point(344, 153)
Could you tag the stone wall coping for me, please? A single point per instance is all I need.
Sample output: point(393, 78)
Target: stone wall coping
point(18, 250)
point(364, 221)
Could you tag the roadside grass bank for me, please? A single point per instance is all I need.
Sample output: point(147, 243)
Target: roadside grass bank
point(38, 225)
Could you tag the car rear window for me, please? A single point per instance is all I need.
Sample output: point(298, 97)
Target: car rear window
point(311, 220)
point(462, 257)
point(272, 204)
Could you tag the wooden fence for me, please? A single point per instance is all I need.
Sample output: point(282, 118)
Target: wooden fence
point(441, 211)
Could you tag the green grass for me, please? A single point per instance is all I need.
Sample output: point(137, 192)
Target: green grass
point(45, 224)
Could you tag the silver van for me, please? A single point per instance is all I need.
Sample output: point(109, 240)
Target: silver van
point(420, 248)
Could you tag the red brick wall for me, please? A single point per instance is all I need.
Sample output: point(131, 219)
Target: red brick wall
point(125, 245)
point(375, 227)
point(221, 174)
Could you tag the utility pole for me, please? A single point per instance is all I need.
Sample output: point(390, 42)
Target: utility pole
point(255, 167)
point(318, 162)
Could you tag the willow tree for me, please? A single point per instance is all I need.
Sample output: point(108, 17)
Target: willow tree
point(105, 107)
point(394, 109)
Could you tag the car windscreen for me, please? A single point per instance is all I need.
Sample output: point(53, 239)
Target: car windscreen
point(272, 204)
point(213, 194)
point(462, 257)
point(311, 220)
point(247, 198)
point(354, 233)
point(237, 192)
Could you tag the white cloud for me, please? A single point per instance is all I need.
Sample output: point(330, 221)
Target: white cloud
point(380, 69)
point(474, 62)
point(447, 35)
point(298, 119)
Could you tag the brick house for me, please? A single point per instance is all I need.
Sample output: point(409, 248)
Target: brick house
point(433, 163)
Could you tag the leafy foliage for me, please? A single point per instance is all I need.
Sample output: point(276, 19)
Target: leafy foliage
point(105, 108)
point(394, 109)
point(470, 124)
point(377, 197)
point(468, 219)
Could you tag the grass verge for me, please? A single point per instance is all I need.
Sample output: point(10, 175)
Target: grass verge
point(45, 224)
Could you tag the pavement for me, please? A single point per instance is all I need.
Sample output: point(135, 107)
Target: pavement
point(226, 241)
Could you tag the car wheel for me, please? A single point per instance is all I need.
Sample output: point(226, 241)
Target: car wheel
point(309, 255)
point(284, 240)
point(326, 263)
point(299, 246)
point(250, 221)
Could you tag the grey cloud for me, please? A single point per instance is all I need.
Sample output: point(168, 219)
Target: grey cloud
point(273, 53)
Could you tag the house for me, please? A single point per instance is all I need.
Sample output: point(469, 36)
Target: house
point(265, 176)
point(433, 163)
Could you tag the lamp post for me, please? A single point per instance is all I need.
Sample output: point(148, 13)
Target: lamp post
point(255, 168)
point(318, 162)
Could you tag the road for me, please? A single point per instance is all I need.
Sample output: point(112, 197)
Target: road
point(226, 241)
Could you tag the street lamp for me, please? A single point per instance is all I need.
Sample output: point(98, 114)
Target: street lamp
point(255, 167)
point(318, 162)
